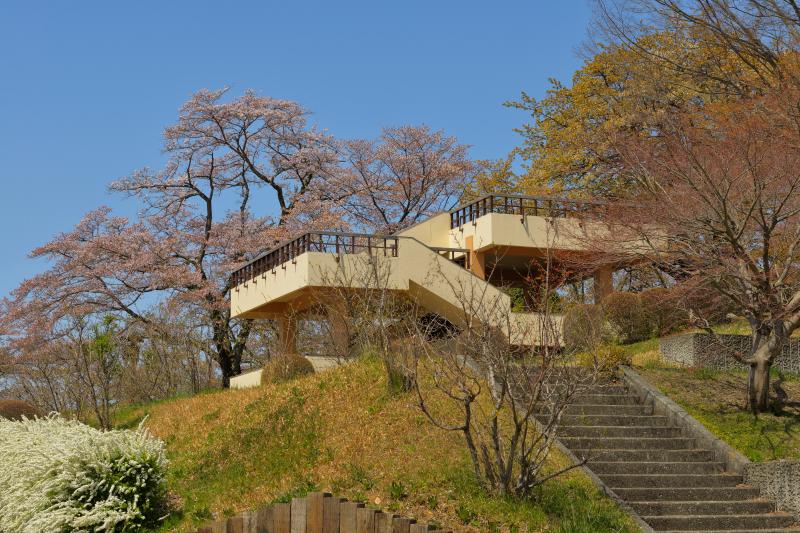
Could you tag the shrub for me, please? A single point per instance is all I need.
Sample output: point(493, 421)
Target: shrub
point(62, 475)
point(17, 409)
point(399, 363)
point(285, 367)
point(708, 304)
point(663, 310)
point(584, 327)
point(605, 359)
point(626, 317)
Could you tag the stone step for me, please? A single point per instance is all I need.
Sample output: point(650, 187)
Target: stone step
point(655, 468)
point(605, 399)
point(647, 455)
point(684, 494)
point(748, 522)
point(607, 389)
point(616, 390)
point(627, 443)
point(670, 480)
point(703, 507)
point(588, 409)
point(619, 431)
point(613, 420)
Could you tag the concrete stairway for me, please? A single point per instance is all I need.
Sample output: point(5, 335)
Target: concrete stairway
point(661, 474)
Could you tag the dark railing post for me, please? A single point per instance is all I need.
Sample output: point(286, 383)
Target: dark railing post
point(326, 242)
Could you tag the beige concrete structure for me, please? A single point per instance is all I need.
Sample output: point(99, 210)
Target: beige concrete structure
point(454, 264)
point(247, 380)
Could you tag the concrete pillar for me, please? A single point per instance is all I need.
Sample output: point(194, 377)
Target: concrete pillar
point(287, 333)
point(340, 332)
point(603, 283)
point(477, 260)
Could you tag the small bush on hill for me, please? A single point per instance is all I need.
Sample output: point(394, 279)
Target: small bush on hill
point(400, 364)
point(605, 359)
point(17, 409)
point(62, 475)
point(626, 317)
point(708, 305)
point(663, 310)
point(584, 327)
point(285, 367)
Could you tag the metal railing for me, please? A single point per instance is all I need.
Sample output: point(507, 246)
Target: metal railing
point(318, 241)
point(460, 256)
point(543, 206)
point(334, 242)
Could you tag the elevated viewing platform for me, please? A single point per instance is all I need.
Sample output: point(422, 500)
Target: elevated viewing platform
point(455, 264)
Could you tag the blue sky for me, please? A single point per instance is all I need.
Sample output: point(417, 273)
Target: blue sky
point(87, 87)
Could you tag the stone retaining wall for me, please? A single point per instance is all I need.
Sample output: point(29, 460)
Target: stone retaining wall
point(778, 480)
point(702, 350)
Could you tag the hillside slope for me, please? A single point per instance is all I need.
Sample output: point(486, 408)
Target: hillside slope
point(341, 431)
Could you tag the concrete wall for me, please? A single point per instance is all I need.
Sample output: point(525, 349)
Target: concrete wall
point(432, 232)
point(702, 350)
point(779, 481)
point(247, 380)
point(497, 229)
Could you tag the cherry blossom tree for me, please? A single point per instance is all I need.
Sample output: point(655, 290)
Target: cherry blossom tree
point(195, 226)
point(406, 175)
point(227, 159)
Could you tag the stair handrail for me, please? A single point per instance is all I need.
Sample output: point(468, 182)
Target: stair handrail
point(522, 205)
point(314, 241)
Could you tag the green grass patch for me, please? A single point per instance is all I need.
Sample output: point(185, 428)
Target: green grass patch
point(717, 398)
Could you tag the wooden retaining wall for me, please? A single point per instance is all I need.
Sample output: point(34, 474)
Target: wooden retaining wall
point(318, 512)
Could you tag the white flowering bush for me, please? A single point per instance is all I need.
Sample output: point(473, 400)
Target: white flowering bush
point(61, 475)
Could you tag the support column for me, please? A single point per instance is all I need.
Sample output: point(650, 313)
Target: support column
point(340, 332)
point(477, 260)
point(287, 333)
point(603, 283)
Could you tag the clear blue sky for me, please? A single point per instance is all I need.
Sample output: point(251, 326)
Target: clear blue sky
point(87, 87)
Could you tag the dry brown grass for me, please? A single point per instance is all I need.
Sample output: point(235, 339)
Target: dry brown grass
point(342, 431)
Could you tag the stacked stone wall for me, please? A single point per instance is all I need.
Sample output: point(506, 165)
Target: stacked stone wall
point(701, 350)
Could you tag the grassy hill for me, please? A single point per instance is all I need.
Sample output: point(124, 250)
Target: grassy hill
point(716, 398)
point(342, 431)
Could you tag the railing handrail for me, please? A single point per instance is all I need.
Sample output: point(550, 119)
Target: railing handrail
point(522, 205)
point(321, 232)
point(459, 215)
point(289, 249)
point(545, 198)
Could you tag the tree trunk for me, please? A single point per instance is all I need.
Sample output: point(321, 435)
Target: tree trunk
point(760, 364)
point(228, 354)
point(759, 386)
